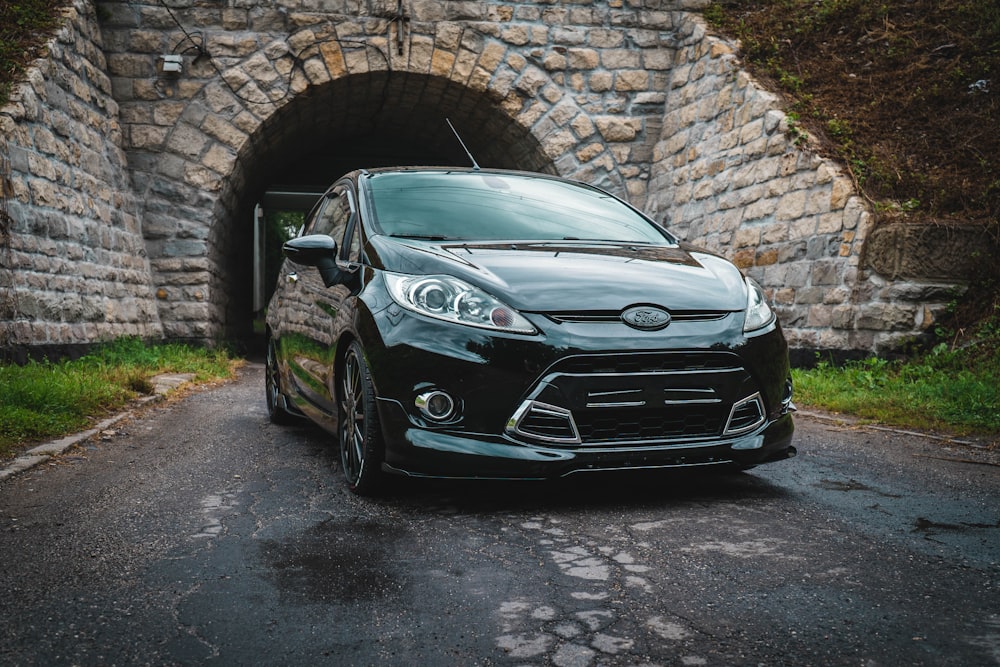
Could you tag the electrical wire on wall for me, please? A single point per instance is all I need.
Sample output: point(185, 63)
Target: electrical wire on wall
point(401, 21)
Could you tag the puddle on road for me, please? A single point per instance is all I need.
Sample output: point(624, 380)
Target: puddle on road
point(335, 561)
point(928, 527)
point(851, 485)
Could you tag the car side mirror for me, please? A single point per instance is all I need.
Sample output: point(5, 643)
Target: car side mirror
point(317, 250)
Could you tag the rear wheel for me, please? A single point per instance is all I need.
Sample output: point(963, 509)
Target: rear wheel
point(359, 428)
point(276, 411)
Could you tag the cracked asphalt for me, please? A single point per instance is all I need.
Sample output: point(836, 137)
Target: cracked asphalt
point(197, 533)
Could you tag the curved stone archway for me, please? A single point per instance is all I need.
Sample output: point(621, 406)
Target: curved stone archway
point(359, 120)
point(303, 118)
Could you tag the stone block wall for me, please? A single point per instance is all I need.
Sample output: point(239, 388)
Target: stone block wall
point(733, 175)
point(569, 87)
point(73, 267)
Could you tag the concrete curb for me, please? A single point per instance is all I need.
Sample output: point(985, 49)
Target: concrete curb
point(162, 385)
point(849, 421)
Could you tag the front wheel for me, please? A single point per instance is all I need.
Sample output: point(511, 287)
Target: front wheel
point(359, 428)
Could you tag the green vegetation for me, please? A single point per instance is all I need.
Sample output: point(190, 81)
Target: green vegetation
point(24, 27)
point(949, 388)
point(279, 226)
point(903, 91)
point(45, 399)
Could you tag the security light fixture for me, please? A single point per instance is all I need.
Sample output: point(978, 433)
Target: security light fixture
point(170, 65)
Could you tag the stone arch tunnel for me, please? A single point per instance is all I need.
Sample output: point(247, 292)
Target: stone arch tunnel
point(362, 120)
point(133, 156)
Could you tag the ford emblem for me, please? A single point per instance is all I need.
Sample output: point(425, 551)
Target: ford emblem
point(647, 318)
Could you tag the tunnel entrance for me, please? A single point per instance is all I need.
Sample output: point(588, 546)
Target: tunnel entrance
point(360, 121)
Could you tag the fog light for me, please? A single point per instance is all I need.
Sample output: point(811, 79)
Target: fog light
point(786, 400)
point(436, 405)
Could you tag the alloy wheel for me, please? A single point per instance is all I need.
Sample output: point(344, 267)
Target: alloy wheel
point(360, 435)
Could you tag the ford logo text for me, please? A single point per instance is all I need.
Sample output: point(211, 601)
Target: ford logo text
point(647, 318)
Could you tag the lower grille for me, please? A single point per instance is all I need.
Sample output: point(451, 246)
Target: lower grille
point(746, 415)
point(644, 424)
point(642, 398)
point(544, 422)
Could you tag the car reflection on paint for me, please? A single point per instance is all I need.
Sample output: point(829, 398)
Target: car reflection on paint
point(475, 323)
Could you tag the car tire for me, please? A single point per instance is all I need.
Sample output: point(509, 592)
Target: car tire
point(272, 388)
point(360, 433)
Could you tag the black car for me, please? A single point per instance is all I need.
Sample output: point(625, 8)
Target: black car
point(476, 323)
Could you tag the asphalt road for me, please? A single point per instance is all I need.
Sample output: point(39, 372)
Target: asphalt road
point(198, 534)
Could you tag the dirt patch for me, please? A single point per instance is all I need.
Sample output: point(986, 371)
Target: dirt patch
point(906, 94)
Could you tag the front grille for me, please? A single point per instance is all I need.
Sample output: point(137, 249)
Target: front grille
point(645, 424)
point(648, 362)
point(641, 398)
point(604, 316)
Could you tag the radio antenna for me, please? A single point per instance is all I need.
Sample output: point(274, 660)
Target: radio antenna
point(475, 165)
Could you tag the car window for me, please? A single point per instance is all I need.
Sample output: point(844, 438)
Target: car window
point(333, 217)
point(489, 206)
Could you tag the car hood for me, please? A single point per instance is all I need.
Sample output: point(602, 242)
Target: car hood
point(574, 275)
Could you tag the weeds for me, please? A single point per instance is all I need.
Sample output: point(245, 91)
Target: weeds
point(48, 399)
point(795, 132)
point(949, 388)
point(903, 91)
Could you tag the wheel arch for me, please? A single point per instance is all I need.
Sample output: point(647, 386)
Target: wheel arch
point(364, 330)
point(343, 344)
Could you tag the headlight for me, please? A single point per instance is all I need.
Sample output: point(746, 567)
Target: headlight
point(453, 300)
point(759, 314)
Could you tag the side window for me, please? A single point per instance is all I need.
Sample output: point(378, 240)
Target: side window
point(332, 219)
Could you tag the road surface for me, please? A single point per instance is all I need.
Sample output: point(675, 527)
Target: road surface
point(197, 533)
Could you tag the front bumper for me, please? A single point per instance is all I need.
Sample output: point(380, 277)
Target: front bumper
point(704, 395)
point(420, 452)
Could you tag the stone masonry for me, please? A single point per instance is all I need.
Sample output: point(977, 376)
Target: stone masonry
point(74, 266)
point(129, 190)
point(729, 175)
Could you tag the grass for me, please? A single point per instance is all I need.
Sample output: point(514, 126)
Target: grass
point(49, 399)
point(950, 389)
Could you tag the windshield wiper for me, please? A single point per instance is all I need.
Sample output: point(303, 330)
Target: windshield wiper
point(611, 241)
point(423, 237)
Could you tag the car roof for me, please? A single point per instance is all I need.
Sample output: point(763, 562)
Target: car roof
point(458, 170)
point(360, 175)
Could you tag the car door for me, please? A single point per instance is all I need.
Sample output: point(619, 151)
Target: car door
point(310, 311)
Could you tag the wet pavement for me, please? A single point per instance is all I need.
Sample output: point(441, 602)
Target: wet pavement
point(198, 533)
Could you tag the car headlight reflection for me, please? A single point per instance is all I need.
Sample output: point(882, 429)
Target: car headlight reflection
point(453, 300)
point(759, 314)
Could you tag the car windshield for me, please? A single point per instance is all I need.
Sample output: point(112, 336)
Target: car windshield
point(488, 206)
